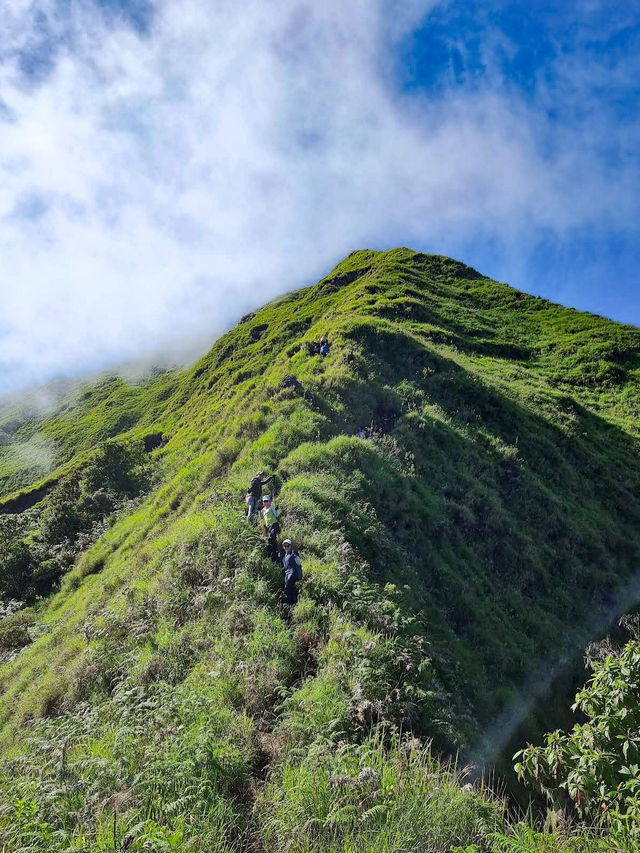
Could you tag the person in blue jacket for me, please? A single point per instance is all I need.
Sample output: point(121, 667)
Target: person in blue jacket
point(292, 570)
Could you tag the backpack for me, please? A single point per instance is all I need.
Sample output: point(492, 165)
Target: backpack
point(294, 563)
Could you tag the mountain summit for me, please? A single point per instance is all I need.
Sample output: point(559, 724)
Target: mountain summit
point(157, 688)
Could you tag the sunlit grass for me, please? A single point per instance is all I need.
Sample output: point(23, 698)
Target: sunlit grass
point(167, 696)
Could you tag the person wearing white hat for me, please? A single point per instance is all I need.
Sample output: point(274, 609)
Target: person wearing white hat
point(292, 570)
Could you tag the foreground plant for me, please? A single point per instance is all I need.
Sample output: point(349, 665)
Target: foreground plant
point(595, 769)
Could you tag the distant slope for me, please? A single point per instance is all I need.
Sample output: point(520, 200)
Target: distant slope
point(489, 522)
point(42, 430)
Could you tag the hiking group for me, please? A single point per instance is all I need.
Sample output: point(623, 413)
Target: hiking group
point(288, 558)
point(320, 347)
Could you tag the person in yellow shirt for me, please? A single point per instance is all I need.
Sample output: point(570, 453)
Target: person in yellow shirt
point(254, 492)
point(269, 516)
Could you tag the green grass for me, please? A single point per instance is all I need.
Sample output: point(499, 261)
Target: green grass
point(468, 541)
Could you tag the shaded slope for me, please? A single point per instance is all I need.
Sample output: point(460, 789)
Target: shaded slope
point(494, 509)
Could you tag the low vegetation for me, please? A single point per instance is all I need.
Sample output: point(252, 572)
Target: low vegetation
point(156, 692)
point(40, 546)
point(594, 771)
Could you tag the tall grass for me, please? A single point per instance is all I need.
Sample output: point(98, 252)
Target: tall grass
point(369, 797)
point(163, 698)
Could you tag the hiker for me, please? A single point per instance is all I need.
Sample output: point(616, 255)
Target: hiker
point(254, 492)
point(271, 526)
point(292, 570)
point(324, 346)
point(361, 433)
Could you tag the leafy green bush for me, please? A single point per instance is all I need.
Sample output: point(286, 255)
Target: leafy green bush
point(14, 631)
point(117, 467)
point(596, 767)
point(16, 561)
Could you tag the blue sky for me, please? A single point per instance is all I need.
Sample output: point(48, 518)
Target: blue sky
point(166, 166)
point(576, 65)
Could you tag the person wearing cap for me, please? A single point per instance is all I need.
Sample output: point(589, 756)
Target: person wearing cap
point(254, 492)
point(292, 570)
point(269, 517)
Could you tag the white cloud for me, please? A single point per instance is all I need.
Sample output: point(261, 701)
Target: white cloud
point(154, 188)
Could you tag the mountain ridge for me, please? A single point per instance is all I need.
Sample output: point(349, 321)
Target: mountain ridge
point(444, 557)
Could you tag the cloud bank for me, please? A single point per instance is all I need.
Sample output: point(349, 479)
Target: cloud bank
point(165, 168)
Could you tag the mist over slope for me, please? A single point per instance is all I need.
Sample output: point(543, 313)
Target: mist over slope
point(485, 529)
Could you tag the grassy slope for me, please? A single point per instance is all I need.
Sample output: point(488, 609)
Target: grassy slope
point(44, 430)
point(497, 506)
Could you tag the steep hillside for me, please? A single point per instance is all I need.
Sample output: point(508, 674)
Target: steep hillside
point(42, 430)
point(487, 528)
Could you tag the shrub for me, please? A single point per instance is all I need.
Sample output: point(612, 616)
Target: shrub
point(16, 561)
point(595, 769)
